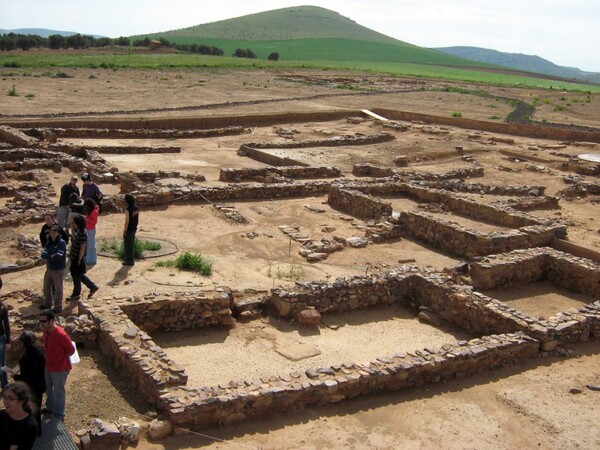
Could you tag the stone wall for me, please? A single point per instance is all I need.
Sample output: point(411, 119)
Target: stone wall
point(109, 133)
point(357, 204)
point(197, 408)
point(337, 141)
point(116, 149)
point(561, 269)
point(16, 137)
point(178, 311)
point(269, 173)
point(268, 158)
point(515, 129)
point(462, 241)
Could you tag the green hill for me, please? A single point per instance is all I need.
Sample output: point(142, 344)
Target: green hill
point(307, 33)
point(300, 22)
point(520, 61)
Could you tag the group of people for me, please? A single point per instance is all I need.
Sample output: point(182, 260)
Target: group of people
point(44, 369)
point(76, 222)
point(40, 370)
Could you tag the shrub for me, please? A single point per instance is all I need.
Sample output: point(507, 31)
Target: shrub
point(12, 92)
point(191, 262)
point(118, 247)
point(273, 56)
point(456, 114)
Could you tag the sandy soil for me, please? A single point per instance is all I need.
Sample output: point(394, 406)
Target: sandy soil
point(525, 406)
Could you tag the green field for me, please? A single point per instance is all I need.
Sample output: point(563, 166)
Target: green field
point(18, 62)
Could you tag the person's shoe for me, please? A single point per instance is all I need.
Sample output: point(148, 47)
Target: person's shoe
point(93, 291)
point(73, 298)
point(42, 306)
point(127, 264)
point(57, 310)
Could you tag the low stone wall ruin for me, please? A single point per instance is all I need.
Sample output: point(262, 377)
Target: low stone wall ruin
point(267, 174)
point(462, 241)
point(239, 401)
point(561, 269)
point(140, 133)
point(357, 204)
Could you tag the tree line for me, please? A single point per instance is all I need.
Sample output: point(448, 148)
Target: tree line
point(13, 41)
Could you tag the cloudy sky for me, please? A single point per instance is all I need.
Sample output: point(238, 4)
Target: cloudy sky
point(564, 32)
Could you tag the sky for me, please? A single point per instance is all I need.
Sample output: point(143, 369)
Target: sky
point(564, 32)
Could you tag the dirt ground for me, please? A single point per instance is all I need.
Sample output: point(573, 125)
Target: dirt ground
point(526, 406)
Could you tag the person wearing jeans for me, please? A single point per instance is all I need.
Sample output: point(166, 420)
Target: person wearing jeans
point(55, 254)
point(58, 347)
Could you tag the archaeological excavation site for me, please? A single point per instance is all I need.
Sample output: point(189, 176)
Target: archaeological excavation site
point(356, 250)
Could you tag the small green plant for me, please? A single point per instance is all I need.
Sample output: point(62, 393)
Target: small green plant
point(560, 108)
point(456, 114)
point(12, 64)
point(30, 95)
point(191, 262)
point(494, 117)
point(62, 75)
point(12, 92)
point(118, 247)
point(293, 272)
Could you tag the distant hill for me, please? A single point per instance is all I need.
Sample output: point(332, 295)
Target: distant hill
point(44, 32)
point(529, 63)
point(299, 22)
point(307, 33)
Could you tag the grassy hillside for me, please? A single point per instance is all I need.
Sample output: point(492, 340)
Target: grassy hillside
point(335, 49)
point(520, 61)
point(298, 22)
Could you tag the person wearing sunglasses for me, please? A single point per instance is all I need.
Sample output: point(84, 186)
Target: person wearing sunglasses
point(55, 254)
point(18, 427)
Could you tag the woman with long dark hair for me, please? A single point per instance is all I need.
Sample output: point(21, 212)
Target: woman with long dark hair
point(31, 370)
point(77, 257)
point(132, 214)
point(18, 428)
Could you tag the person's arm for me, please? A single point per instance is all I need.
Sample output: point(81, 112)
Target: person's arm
point(6, 323)
point(43, 238)
point(45, 253)
point(126, 222)
point(82, 251)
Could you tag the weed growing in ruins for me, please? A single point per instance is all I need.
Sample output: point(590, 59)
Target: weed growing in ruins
point(294, 272)
point(456, 114)
point(192, 262)
point(30, 95)
point(12, 92)
point(117, 247)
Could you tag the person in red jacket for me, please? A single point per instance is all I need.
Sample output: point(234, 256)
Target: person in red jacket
point(59, 348)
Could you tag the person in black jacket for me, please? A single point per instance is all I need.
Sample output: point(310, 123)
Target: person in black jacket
point(63, 202)
point(31, 370)
point(18, 428)
point(45, 231)
point(4, 340)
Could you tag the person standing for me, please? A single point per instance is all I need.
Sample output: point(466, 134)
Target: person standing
point(91, 190)
point(4, 340)
point(55, 254)
point(91, 219)
point(45, 231)
point(58, 347)
point(18, 428)
point(63, 202)
point(132, 215)
point(31, 370)
point(77, 258)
